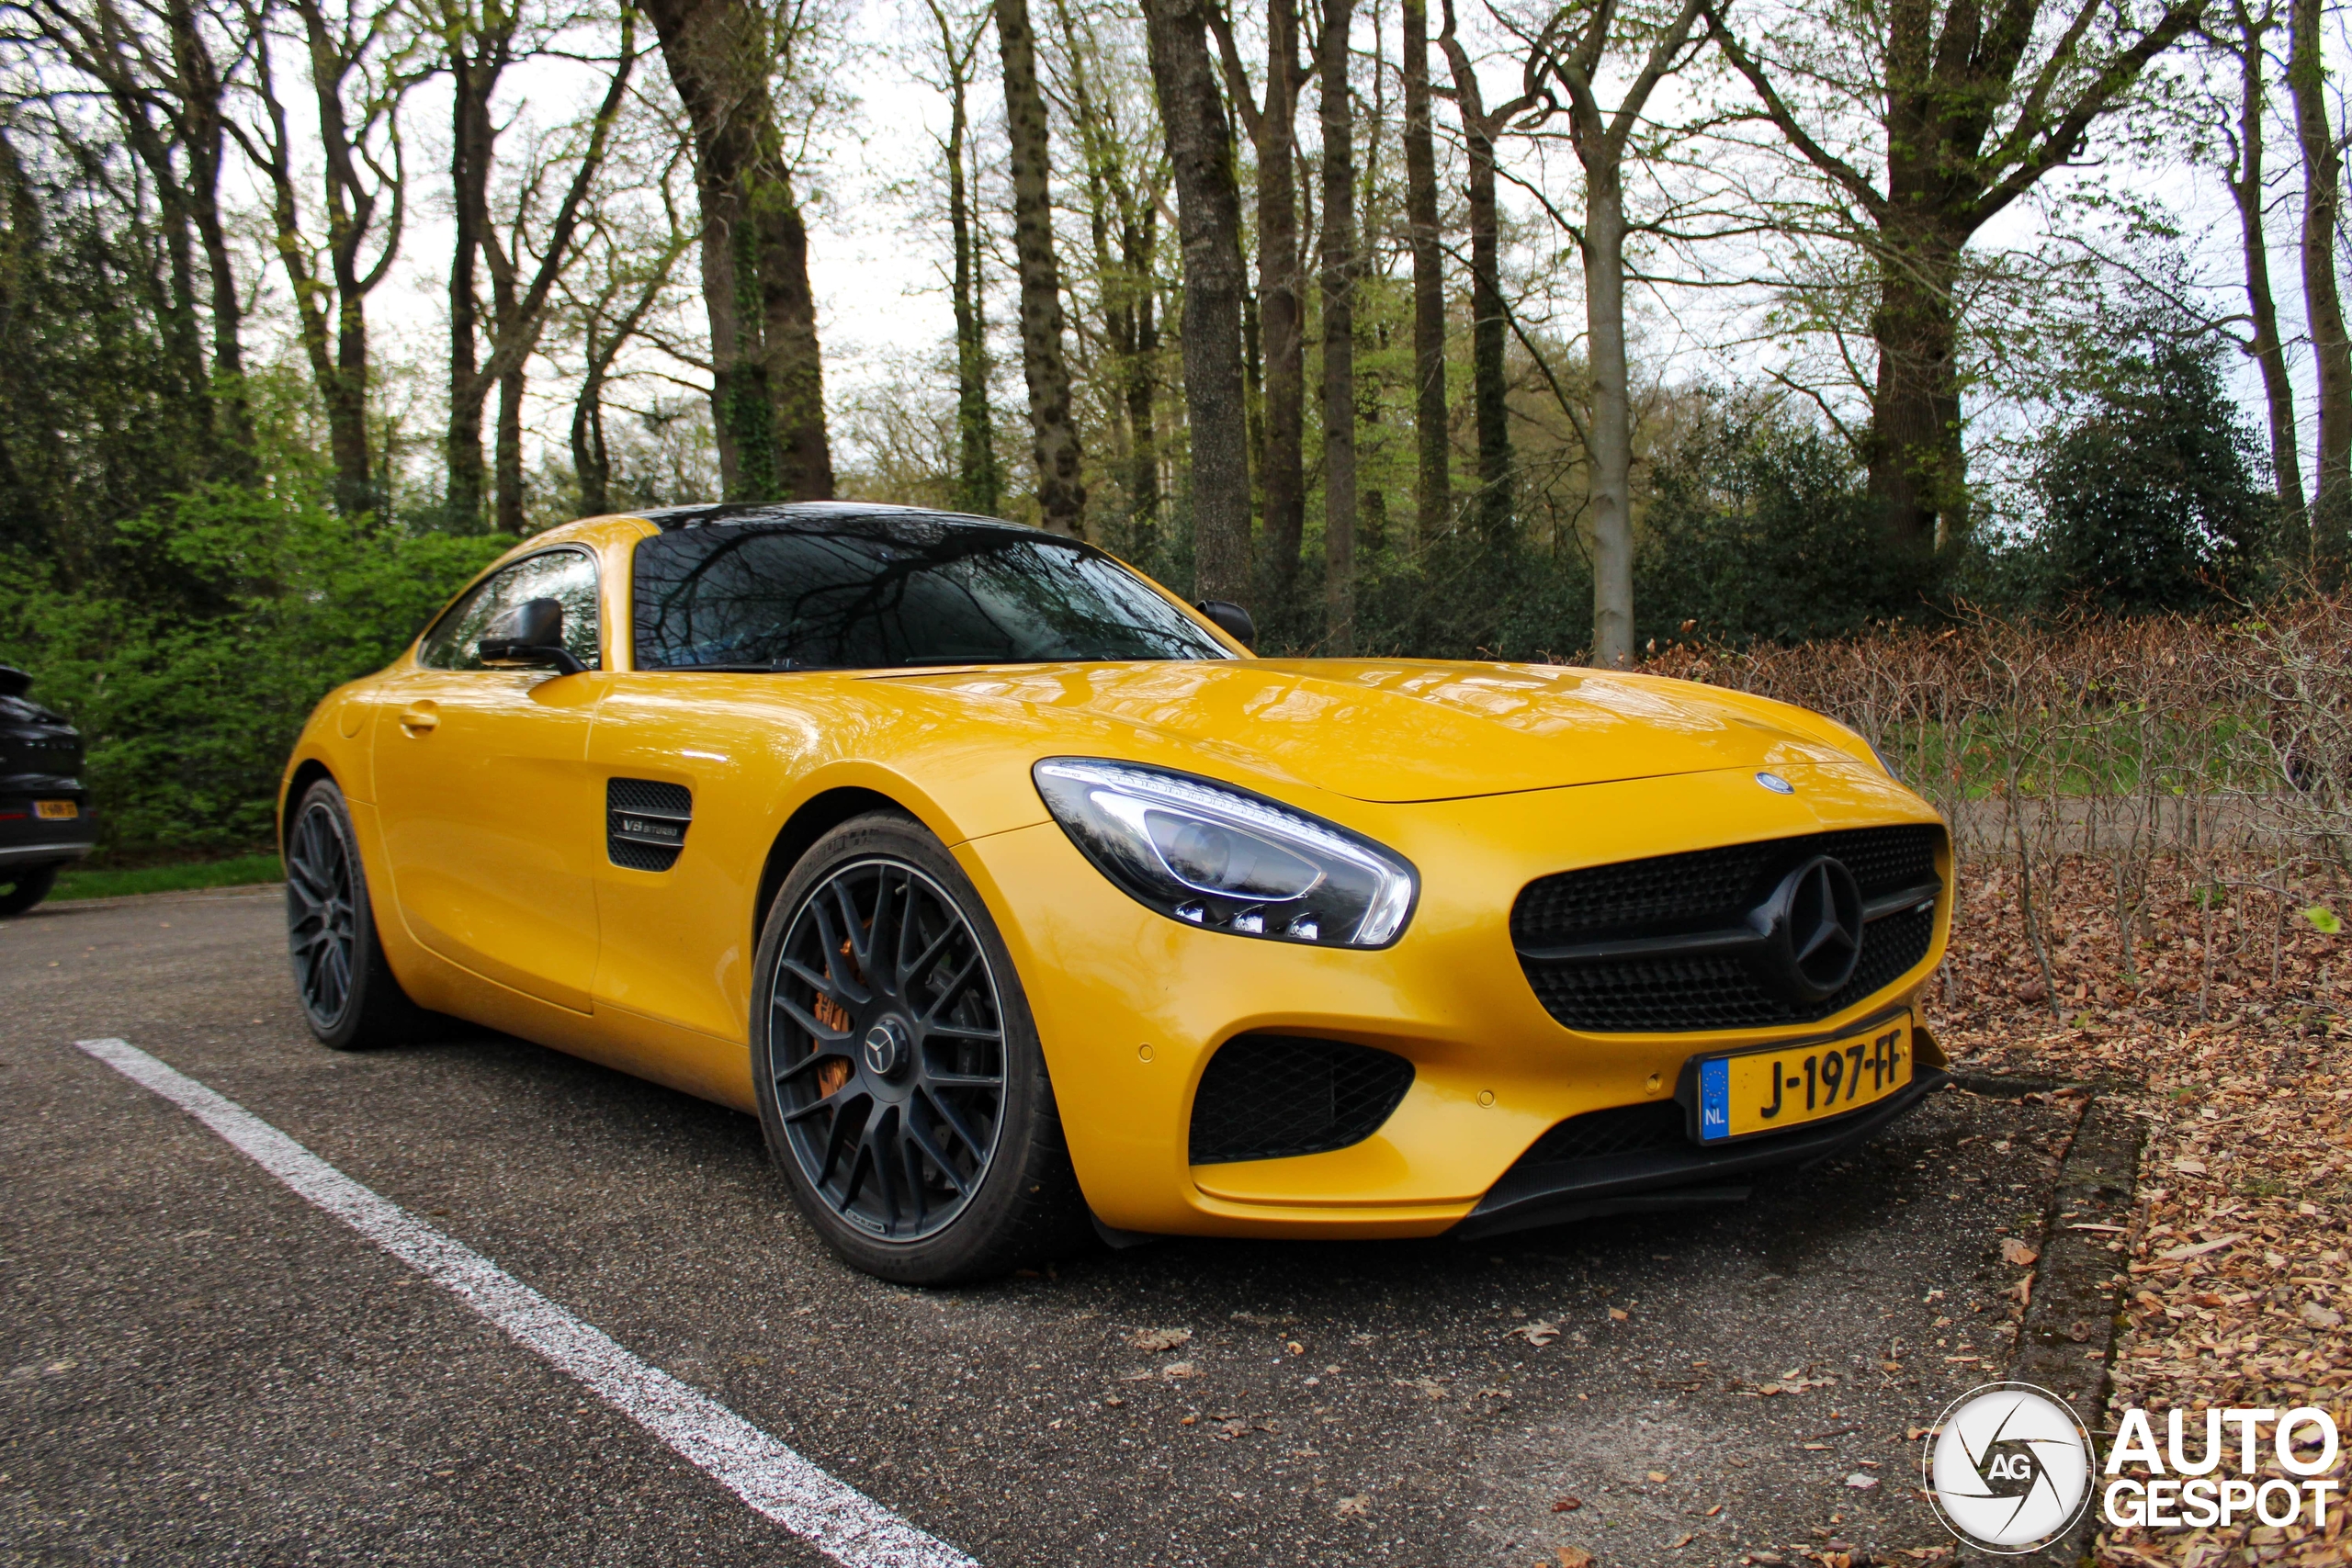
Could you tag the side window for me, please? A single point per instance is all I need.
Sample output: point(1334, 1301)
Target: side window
point(567, 576)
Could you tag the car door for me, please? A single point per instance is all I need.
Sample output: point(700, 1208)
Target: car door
point(491, 824)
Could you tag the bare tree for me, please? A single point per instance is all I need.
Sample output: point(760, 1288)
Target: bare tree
point(1208, 222)
point(2318, 137)
point(2243, 35)
point(479, 44)
point(1494, 509)
point(361, 69)
point(726, 58)
point(1973, 107)
point(1061, 496)
point(1272, 130)
point(1127, 184)
point(979, 485)
point(1433, 493)
point(1338, 284)
point(1572, 48)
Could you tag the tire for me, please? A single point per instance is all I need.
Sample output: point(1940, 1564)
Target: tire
point(901, 1087)
point(22, 889)
point(349, 996)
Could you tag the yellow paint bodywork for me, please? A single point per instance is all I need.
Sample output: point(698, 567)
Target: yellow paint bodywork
point(483, 841)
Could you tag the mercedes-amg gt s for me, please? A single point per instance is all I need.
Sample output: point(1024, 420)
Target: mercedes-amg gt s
point(1013, 894)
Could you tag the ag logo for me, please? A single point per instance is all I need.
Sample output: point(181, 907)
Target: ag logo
point(2008, 1467)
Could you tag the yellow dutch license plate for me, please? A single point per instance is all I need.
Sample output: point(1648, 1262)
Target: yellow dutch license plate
point(1769, 1091)
point(57, 810)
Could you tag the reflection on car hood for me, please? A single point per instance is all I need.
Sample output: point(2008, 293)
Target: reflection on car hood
point(1407, 729)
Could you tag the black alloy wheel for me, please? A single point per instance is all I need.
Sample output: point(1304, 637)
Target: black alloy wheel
point(321, 926)
point(894, 1100)
point(900, 1082)
point(349, 996)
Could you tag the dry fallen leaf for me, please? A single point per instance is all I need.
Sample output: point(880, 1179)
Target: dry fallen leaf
point(1160, 1339)
point(1566, 1505)
point(2019, 1253)
point(1616, 1315)
point(1180, 1369)
point(1574, 1557)
point(1657, 1475)
point(1357, 1506)
point(1538, 1334)
point(1714, 1511)
point(1679, 1542)
point(1861, 1481)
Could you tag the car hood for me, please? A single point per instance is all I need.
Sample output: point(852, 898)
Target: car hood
point(1398, 731)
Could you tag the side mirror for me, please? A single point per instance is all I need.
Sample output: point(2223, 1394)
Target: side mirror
point(529, 636)
point(1232, 620)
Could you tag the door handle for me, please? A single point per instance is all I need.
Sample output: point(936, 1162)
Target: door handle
point(418, 719)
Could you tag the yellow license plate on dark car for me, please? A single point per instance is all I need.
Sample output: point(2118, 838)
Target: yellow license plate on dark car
point(56, 810)
point(1770, 1091)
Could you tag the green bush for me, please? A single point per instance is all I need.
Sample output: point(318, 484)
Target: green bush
point(187, 713)
point(2148, 499)
point(1758, 529)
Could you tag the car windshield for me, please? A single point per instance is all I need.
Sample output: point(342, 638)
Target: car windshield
point(889, 593)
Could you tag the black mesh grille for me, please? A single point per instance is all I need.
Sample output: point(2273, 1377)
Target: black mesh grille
point(1707, 890)
point(1596, 1135)
point(1272, 1096)
point(651, 801)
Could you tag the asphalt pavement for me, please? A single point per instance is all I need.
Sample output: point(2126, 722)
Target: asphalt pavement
point(198, 1365)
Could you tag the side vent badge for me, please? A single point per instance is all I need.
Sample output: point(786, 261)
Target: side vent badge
point(645, 822)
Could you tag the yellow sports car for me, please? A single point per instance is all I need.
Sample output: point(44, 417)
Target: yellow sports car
point(1015, 896)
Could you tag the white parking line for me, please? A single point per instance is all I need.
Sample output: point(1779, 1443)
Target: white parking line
point(838, 1519)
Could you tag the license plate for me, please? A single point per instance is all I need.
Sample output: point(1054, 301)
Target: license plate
point(57, 810)
point(1769, 1091)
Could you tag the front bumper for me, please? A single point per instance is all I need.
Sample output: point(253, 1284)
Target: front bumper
point(1553, 1193)
point(1130, 1005)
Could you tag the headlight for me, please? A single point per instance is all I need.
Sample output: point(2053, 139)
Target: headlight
point(1226, 860)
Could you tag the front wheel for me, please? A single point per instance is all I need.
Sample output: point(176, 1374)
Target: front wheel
point(22, 889)
point(901, 1083)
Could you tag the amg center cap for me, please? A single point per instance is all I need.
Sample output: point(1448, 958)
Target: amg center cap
point(886, 1049)
point(1814, 921)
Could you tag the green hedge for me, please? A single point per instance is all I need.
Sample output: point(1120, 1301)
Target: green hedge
point(190, 687)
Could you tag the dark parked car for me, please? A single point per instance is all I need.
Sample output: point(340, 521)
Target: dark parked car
point(46, 821)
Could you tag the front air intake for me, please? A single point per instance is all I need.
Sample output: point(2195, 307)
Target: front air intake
point(1276, 1096)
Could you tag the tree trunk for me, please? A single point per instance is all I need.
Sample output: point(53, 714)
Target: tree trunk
point(979, 486)
point(510, 453)
point(1493, 509)
point(1282, 304)
point(1208, 222)
point(796, 366)
point(1061, 497)
point(1143, 398)
point(1918, 467)
point(1339, 332)
point(592, 460)
point(471, 144)
point(1612, 418)
point(717, 58)
point(2247, 191)
point(2324, 306)
point(1433, 497)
